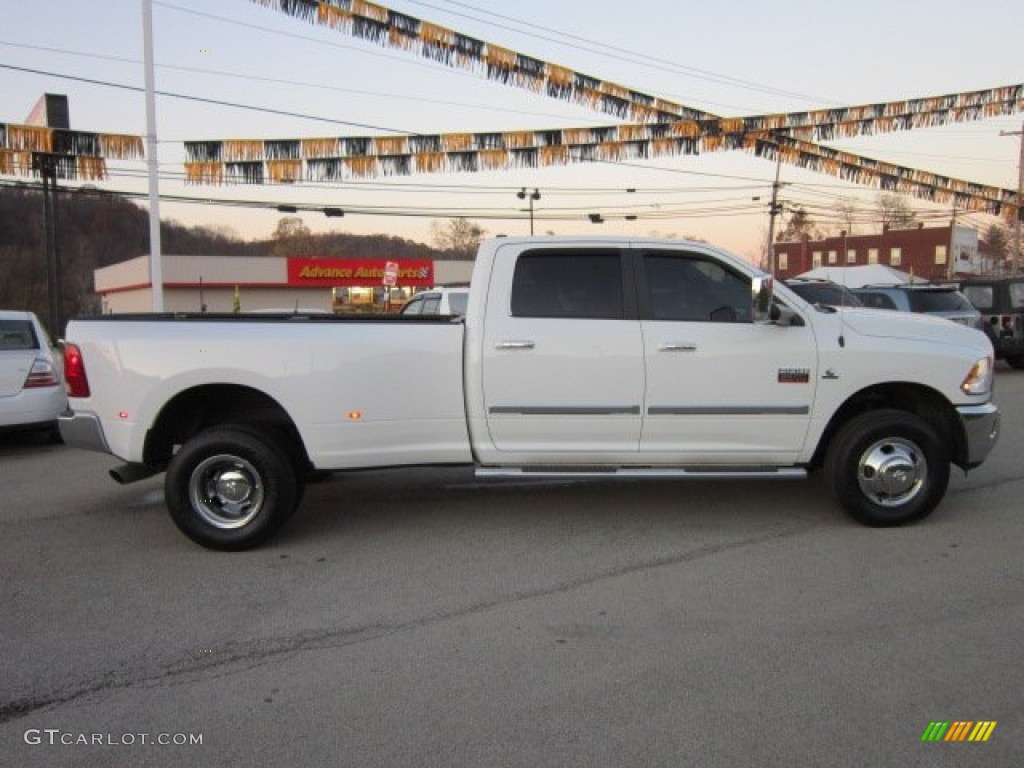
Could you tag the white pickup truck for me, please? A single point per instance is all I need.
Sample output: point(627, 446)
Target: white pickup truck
point(577, 357)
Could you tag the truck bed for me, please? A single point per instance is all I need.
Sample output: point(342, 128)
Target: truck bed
point(362, 391)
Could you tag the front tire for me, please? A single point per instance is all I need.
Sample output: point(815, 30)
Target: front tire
point(887, 468)
point(230, 488)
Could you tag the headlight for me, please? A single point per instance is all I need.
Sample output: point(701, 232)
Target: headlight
point(979, 379)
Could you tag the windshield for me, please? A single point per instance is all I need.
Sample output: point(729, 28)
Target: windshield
point(938, 301)
point(825, 293)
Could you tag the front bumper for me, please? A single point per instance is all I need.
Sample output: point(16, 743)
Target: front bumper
point(82, 430)
point(980, 424)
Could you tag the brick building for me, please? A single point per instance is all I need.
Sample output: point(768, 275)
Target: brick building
point(933, 253)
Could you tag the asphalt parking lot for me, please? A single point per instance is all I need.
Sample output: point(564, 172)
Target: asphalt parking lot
point(421, 619)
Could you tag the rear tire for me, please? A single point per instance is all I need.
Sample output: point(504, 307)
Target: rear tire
point(887, 468)
point(230, 488)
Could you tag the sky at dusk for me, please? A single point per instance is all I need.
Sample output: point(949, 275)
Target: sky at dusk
point(730, 57)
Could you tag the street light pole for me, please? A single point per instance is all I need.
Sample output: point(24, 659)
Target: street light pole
point(522, 194)
point(54, 282)
point(156, 278)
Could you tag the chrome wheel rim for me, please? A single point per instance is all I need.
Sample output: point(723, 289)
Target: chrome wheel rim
point(226, 491)
point(892, 472)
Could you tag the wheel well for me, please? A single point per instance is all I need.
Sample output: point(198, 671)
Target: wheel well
point(199, 408)
point(917, 399)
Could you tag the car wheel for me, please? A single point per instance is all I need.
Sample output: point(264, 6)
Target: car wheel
point(230, 488)
point(887, 467)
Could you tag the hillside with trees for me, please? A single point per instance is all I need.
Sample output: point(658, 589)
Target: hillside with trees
point(96, 229)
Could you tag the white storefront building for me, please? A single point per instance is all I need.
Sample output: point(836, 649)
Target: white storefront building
point(254, 283)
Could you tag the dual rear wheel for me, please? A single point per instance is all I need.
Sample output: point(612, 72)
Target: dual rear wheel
point(231, 487)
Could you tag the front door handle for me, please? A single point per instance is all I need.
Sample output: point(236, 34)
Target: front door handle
point(515, 344)
point(678, 346)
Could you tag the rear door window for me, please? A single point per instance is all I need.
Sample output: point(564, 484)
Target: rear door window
point(577, 285)
point(414, 307)
point(876, 300)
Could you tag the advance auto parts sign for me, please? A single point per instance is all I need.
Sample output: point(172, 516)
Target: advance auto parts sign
point(331, 273)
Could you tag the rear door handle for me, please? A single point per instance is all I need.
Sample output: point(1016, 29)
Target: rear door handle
point(515, 344)
point(678, 346)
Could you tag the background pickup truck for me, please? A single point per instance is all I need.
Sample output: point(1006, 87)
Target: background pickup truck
point(577, 357)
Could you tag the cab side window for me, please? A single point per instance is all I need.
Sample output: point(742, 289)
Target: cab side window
point(691, 288)
point(578, 285)
point(876, 300)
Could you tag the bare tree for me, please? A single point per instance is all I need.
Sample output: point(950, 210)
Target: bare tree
point(847, 210)
point(997, 242)
point(459, 238)
point(894, 211)
point(798, 226)
point(291, 236)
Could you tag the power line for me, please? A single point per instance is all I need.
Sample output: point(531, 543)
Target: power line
point(639, 58)
point(279, 81)
point(403, 211)
point(218, 102)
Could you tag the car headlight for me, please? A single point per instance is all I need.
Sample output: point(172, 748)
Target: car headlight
point(979, 379)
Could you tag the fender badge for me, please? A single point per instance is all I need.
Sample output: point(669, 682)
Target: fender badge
point(794, 375)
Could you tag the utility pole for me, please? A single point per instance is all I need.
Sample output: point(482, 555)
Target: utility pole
point(1020, 194)
point(952, 241)
point(773, 210)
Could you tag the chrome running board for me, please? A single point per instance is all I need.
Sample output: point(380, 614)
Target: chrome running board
point(642, 473)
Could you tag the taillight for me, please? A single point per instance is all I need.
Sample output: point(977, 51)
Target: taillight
point(74, 372)
point(41, 374)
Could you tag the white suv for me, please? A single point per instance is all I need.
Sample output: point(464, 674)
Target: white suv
point(31, 384)
point(942, 300)
point(447, 300)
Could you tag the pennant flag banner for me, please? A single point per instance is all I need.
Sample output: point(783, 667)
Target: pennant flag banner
point(965, 195)
point(250, 161)
point(25, 150)
point(384, 26)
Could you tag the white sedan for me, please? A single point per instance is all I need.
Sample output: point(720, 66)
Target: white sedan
point(31, 386)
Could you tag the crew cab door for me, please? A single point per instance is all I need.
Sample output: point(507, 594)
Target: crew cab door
point(562, 357)
point(720, 388)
